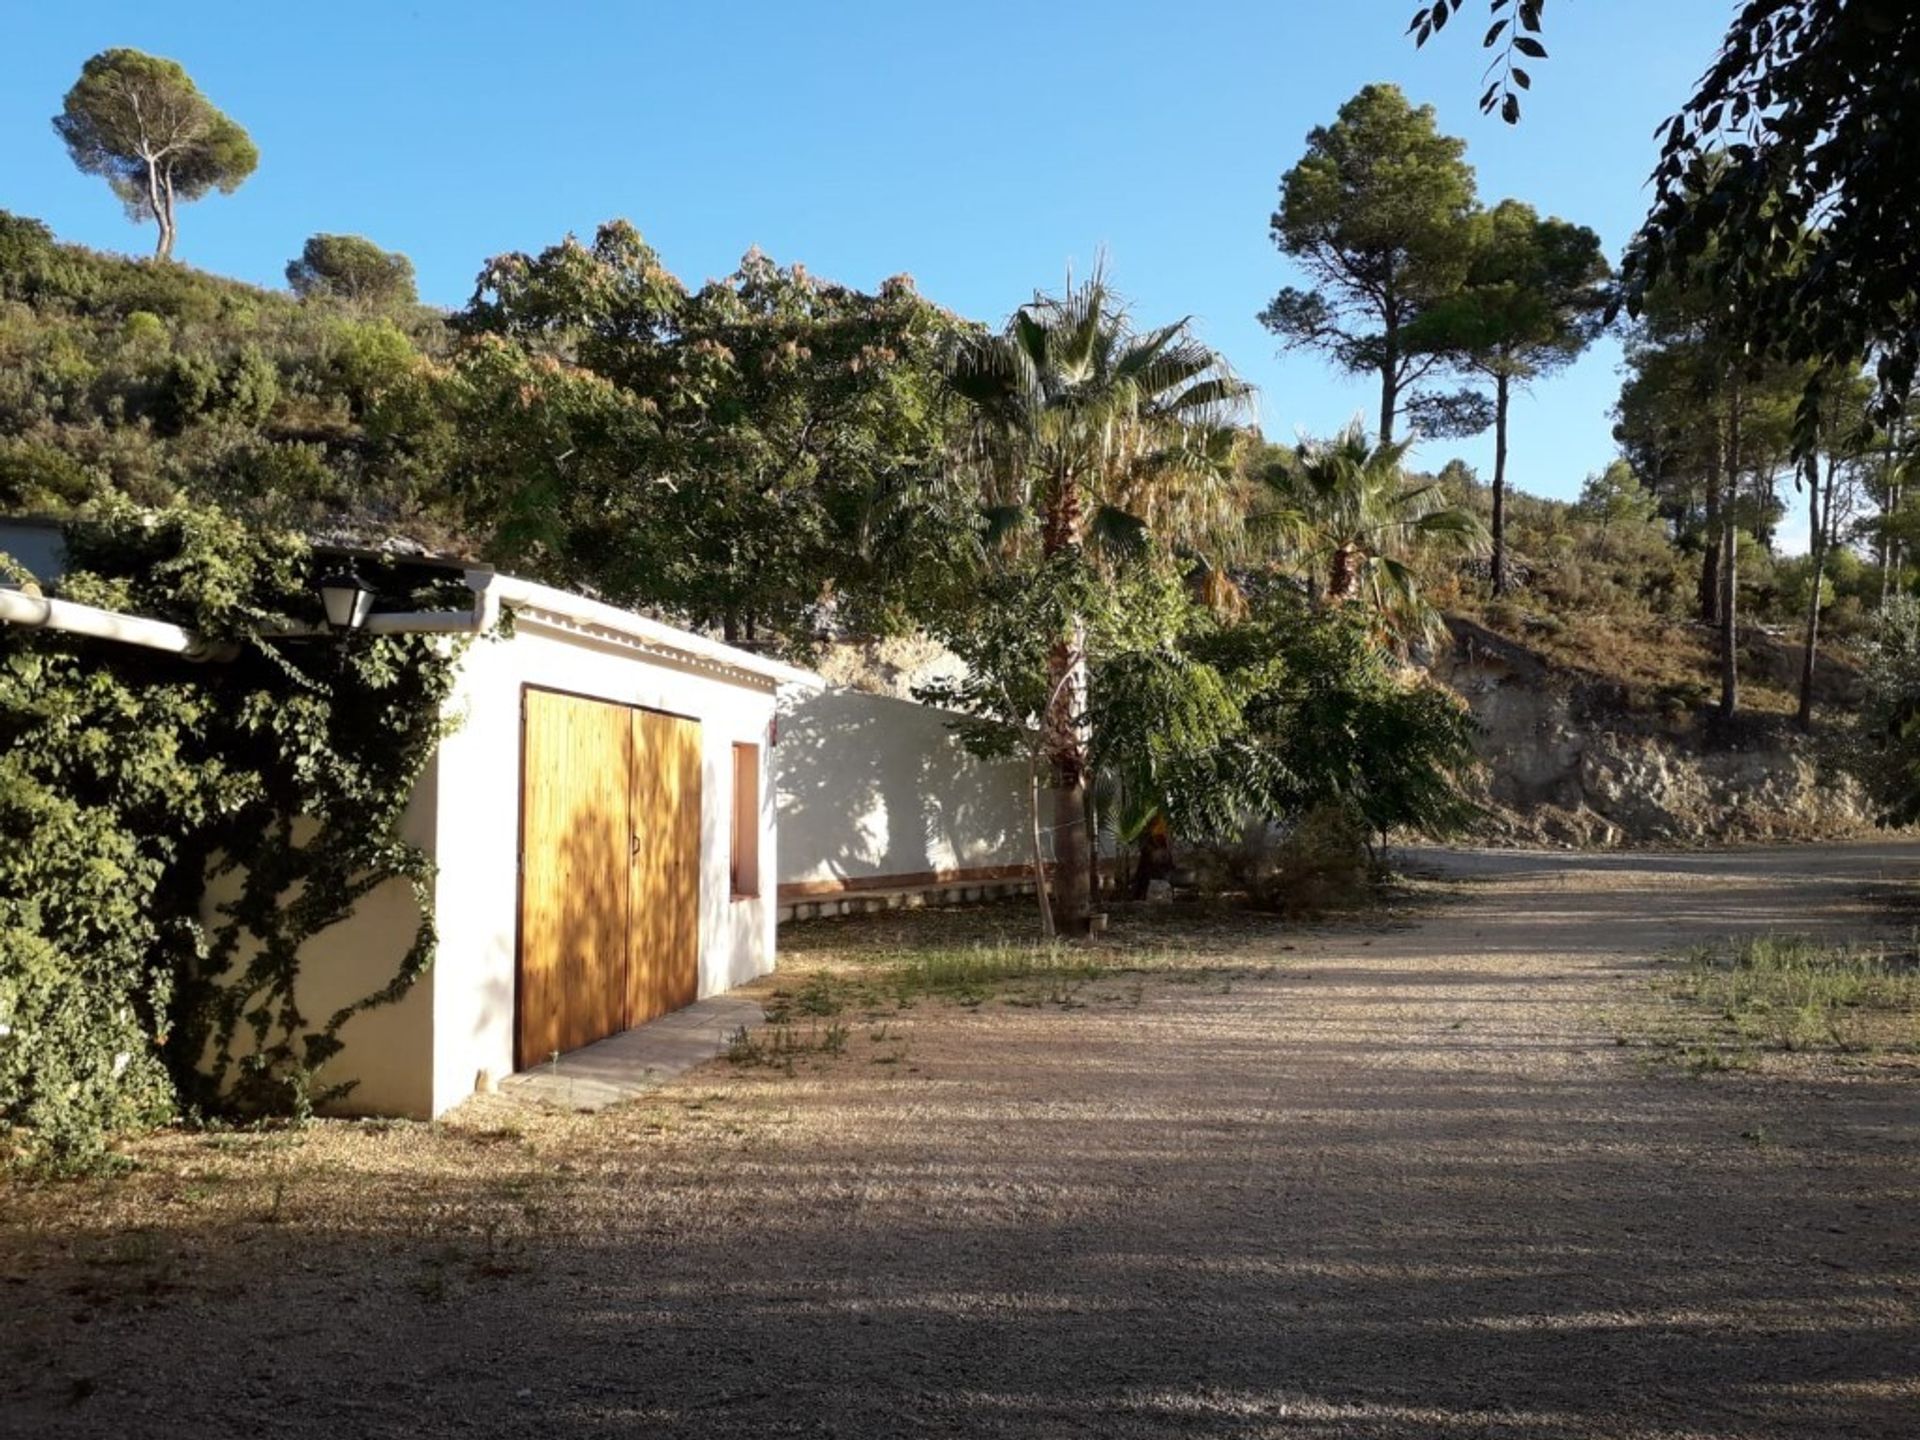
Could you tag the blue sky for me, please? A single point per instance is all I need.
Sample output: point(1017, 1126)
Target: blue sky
point(979, 148)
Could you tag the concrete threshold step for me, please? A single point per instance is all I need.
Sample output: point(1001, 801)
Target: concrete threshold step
point(628, 1065)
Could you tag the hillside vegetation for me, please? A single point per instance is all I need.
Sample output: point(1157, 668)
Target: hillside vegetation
point(353, 419)
point(159, 382)
point(1603, 592)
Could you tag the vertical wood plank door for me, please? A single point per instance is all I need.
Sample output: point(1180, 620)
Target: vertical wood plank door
point(663, 956)
point(576, 849)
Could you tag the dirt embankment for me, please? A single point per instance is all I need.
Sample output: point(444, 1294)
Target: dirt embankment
point(1580, 756)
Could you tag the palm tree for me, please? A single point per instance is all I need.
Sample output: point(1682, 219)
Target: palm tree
point(1345, 504)
point(1094, 435)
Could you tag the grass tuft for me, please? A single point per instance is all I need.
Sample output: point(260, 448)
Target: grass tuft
point(1793, 993)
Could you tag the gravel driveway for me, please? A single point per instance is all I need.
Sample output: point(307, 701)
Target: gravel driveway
point(1369, 1182)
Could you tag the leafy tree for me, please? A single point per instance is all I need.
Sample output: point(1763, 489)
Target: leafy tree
point(758, 455)
point(1146, 713)
point(141, 122)
point(1809, 123)
point(1197, 725)
point(1094, 434)
point(1329, 720)
point(1376, 213)
point(1709, 425)
point(354, 269)
point(1885, 749)
point(1830, 477)
point(1345, 509)
point(1615, 496)
point(1533, 300)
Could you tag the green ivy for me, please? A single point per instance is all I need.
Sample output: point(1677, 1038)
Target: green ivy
point(131, 779)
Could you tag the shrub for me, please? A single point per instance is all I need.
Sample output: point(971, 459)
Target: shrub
point(135, 773)
point(1320, 864)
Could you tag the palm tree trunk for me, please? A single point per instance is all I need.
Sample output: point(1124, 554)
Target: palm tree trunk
point(1065, 745)
point(1500, 392)
point(1063, 736)
point(1343, 575)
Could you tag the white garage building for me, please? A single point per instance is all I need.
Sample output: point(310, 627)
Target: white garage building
point(603, 826)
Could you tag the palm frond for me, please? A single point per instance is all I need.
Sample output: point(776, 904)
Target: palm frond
point(1116, 532)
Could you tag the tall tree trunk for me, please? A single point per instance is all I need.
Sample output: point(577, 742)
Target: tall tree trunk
point(1063, 735)
point(1729, 563)
point(1039, 851)
point(162, 213)
point(166, 199)
point(1065, 744)
point(1889, 504)
point(1710, 559)
point(1389, 369)
point(1817, 558)
point(1500, 393)
point(1093, 851)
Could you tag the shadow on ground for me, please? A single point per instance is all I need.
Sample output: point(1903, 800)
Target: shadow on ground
point(1406, 1185)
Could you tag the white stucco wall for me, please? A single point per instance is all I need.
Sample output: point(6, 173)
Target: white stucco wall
point(872, 787)
point(386, 1046)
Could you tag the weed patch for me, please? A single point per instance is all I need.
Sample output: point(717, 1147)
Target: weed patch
point(1794, 994)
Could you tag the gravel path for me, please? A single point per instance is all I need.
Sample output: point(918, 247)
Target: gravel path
point(1397, 1182)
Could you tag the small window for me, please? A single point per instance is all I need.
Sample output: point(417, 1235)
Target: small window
point(746, 822)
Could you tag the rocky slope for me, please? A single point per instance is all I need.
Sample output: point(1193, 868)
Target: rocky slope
point(1574, 758)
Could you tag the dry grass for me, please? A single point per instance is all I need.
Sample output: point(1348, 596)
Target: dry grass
point(1669, 666)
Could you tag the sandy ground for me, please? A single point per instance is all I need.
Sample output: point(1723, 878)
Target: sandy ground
point(1360, 1182)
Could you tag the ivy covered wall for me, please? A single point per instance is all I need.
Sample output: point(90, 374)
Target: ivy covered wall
point(130, 777)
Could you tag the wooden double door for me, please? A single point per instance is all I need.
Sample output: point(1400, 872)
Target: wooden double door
point(609, 870)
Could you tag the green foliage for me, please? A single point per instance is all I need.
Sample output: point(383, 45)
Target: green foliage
point(1331, 720)
point(1615, 496)
point(1792, 992)
point(139, 122)
point(129, 778)
point(1210, 723)
point(1790, 173)
point(1376, 214)
point(1088, 429)
point(759, 454)
point(351, 268)
point(1885, 745)
point(159, 383)
point(1346, 517)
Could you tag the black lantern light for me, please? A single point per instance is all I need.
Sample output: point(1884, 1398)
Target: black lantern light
point(347, 599)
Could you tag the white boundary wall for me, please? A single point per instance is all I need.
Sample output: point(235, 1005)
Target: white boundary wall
point(875, 790)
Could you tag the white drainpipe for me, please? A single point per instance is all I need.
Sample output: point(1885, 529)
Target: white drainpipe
point(483, 616)
point(36, 613)
point(19, 608)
